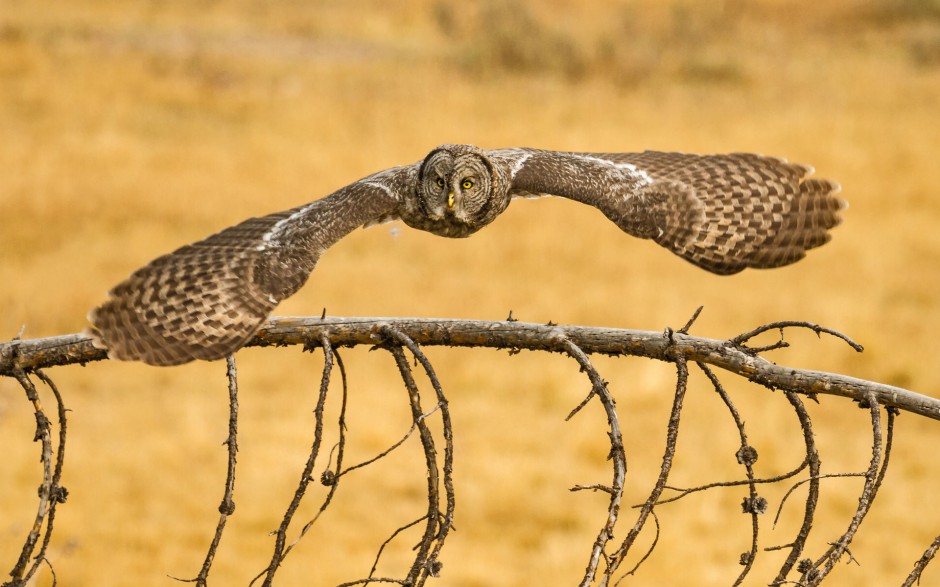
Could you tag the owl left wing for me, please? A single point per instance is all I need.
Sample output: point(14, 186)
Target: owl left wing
point(723, 213)
point(206, 299)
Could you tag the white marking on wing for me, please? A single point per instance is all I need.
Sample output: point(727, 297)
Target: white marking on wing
point(529, 195)
point(518, 163)
point(382, 187)
point(639, 174)
point(635, 172)
point(280, 224)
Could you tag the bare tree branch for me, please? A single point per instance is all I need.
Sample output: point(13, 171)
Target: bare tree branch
point(47, 498)
point(279, 551)
point(77, 349)
point(747, 456)
point(617, 455)
point(812, 499)
point(672, 435)
point(23, 358)
point(432, 565)
point(430, 454)
point(873, 477)
point(914, 577)
point(227, 507)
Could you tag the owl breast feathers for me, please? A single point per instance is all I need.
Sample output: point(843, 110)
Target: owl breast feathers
point(723, 213)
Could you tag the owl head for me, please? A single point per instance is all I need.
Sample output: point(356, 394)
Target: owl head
point(459, 190)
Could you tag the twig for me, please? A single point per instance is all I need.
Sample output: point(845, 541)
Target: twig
point(19, 573)
point(433, 566)
point(395, 445)
point(688, 325)
point(418, 574)
point(922, 562)
point(375, 580)
point(742, 338)
point(872, 480)
point(58, 493)
point(812, 498)
point(649, 550)
point(747, 456)
point(617, 455)
point(327, 478)
point(683, 492)
point(378, 555)
point(278, 553)
point(798, 484)
point(227, 507)
point(672, 433)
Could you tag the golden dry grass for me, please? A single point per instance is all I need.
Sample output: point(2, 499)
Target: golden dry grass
point(129, 129)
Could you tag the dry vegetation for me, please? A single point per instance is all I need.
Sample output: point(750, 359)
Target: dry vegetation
point(131, 128)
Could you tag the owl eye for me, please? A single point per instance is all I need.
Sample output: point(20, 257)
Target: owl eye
point(467, 184)
point(440, 182)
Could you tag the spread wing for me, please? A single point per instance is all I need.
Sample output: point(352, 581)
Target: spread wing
point(206, 299)
point(723, 213)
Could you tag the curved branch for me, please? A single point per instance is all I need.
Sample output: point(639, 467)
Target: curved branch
point(812, 499)
point(672, 435)
point(873, 477)
point(432, 565)
point(914, 576)
point(417, 576)
point(43, 435)
point(227, 507)
point(746, 456)
point(617, 455)
point(280, 545)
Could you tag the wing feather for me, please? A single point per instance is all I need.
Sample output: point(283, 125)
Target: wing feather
point(206, 299)
point(723, 213)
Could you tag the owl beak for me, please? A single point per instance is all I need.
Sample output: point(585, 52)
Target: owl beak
point(450, 199)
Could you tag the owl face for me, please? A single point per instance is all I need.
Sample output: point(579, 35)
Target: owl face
point(458, 192)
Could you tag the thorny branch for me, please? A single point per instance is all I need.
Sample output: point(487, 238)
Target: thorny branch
point(22, 358)
point(431, 566)
point(812, 499)
point(617, 455)
point(873, 478)
point(747, 456)
point(51, 492)
point(924, 560)
point(724, 354)
point(672, 436)
point(227, 507)
point(279, 551)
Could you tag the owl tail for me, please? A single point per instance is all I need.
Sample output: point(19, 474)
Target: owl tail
point(739, 211)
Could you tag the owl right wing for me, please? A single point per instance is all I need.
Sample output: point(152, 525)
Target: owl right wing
point(723, 213)
point(206, 299)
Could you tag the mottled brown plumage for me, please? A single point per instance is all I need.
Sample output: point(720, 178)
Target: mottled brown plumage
point(723, 213)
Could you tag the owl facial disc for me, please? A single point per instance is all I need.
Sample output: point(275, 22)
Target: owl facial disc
point(459, 191)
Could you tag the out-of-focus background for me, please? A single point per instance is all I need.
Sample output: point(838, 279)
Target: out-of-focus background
point(130, 128)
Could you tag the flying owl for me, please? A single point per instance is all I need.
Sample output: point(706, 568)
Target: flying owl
point(723, 213)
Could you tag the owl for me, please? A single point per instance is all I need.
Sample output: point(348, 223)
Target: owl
point(723, 213)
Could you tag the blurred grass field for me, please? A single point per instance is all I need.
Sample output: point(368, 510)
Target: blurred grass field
point(132, 128)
